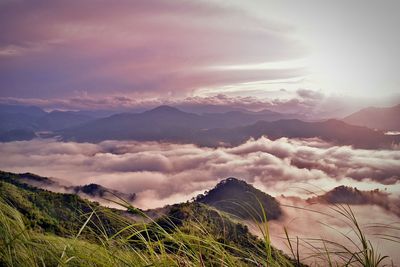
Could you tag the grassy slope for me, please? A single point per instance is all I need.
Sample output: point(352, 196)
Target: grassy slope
point(39, 227)
point(42, 228)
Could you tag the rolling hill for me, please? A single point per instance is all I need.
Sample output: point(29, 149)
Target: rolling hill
point(352, 196)
point(242, 200)
point(55, 224)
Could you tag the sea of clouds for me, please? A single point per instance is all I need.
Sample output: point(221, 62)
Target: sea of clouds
point(290, 169)
point(164, 173)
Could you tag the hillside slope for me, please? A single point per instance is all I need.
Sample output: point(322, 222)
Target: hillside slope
point(387, 119)
point(189, 234)
point(242, 200)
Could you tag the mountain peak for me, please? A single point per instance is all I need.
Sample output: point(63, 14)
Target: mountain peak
point(164, 109)
point(241, 199)
point(381, 118)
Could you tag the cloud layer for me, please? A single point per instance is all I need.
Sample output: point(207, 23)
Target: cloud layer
point(163, 173)
point(329, 225)
point(163, 48)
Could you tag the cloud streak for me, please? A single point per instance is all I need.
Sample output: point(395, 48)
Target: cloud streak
point(303, 101)
point(50, 49)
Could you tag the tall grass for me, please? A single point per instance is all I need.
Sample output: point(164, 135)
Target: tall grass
point(354, 249)
point(167, 244)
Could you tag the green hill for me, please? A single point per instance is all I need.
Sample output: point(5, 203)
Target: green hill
point(242, 200)
point(39, 227)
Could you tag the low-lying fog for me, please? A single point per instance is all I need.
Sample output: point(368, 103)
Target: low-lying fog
point(163, 173)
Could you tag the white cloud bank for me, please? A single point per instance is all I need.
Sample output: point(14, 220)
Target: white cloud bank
point(162, 173)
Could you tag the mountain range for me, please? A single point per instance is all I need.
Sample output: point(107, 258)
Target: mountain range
point(22, 122)
point(170, 124)
point(166, 123)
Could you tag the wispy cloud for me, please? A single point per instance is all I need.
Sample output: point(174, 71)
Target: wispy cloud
point(163, 48)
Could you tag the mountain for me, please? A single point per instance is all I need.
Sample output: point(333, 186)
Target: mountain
point(57, 120)
point(240, 118)
point(18, 122)
point(17, 135)
point(334, 131)
point(34, 112)
point(242, 200)
point(44, 225)
point(162, 123)
point(21, 118)
point(94, 192)
point(352, 196)
point(165, 123)
point(386, 119)
point(56, 213)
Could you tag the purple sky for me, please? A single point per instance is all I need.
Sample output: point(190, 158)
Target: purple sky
point(60, 54)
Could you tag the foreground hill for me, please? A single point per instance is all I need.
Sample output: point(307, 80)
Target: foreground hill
point(94, 192)
point(242, 200)
point(377, 118)
point(57, 213)
point(41, 227)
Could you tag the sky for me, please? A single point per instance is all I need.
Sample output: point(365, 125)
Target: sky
point(93, 54)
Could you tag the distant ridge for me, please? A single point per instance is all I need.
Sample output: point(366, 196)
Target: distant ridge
point(166, 123)
point(387, 119)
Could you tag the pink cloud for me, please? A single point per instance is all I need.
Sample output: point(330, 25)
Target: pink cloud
point(135, 46)
point(169, 170)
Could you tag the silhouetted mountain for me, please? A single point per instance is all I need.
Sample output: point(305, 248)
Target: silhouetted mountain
point(352, 196)
point(21, 122)
point(377, 118)
point(15, 117)
point(334, 131)
point(241, 199)
point(161, 123)
point(170, 124)
point(57, 120)
point(17, 135)
point(166, 123)
point(32, 111)
point(240, 118)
